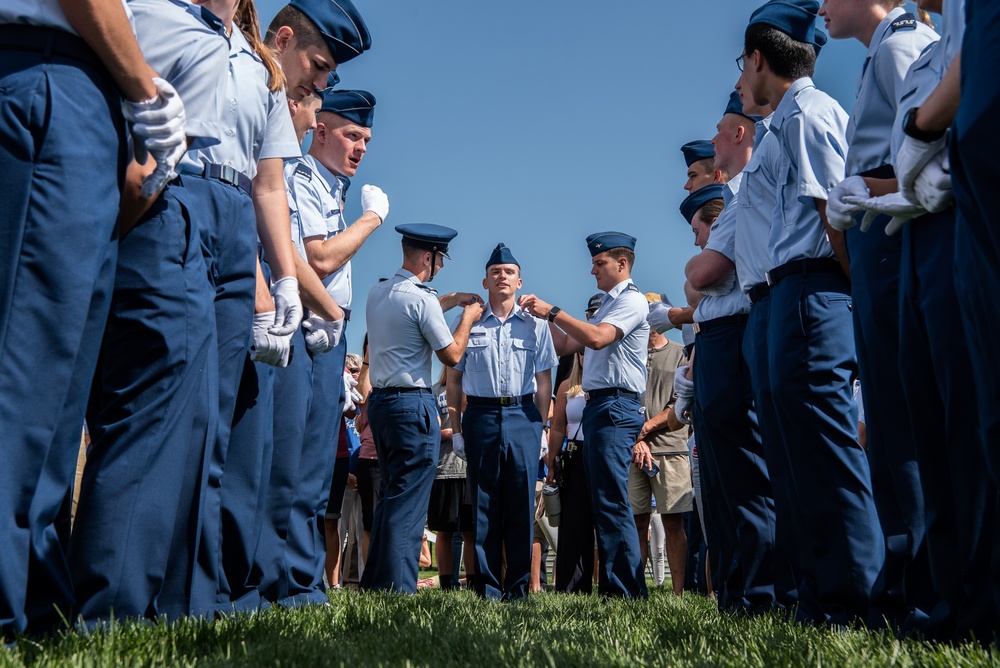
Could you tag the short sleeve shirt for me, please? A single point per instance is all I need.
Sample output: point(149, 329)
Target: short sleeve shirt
point(43, 13)
point(754, 209)
point(722, 239)
point(623, 363)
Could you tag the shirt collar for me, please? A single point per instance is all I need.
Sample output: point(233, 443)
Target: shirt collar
point(516, 311)
point(788, 102)
point(617, 290)
point(407, 275)
point(330, 180)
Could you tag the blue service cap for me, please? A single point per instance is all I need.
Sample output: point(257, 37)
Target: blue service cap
point(501, 255)
point(819, 41)
point(332, 79)
point(428, 236)
point(697, 150)
point(605, 241)
point(795, 18)
point(343, 29)
point(698, 199)
point(357, 106)
point(736, 107)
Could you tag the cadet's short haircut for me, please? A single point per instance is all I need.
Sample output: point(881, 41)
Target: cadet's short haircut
point(622, 252)
point(709, 163)
point(306, 32)
point(411, 252)
point(710, 211)
point(786, 57)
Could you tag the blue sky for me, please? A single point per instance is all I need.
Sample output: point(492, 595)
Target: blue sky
point(538, 122)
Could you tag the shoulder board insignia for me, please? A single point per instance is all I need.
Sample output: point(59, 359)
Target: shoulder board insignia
point(905, 22)
point(427, 288)
point(631, 286)
point(382, 280)
point(304, 172)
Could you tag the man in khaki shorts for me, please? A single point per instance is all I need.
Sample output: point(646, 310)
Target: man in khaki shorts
point(662, 445)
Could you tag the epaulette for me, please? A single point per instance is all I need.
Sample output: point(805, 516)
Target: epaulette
point(631, 286)
point(427, 288)
point(302, 170)
point(382, 280)
point(905, 22)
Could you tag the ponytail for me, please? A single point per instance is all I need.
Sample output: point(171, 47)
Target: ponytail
point(925, 17)
point(246, 19)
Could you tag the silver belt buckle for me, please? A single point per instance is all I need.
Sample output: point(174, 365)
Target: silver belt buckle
point(230, 175)
point(767, 277)
point(696, 327)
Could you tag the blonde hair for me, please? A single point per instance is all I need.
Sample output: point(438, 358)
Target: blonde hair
point(575, 378)
point(247, 21)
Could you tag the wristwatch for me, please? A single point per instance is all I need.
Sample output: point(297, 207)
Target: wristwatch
point(911, 130)
point(553, 313)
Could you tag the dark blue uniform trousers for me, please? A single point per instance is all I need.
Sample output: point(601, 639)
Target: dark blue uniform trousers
point(502, 445)
point(936, 369)
point(148, 424)
point(293, 395)
point(730, 440)
point(305, 546)
point(408, 440)
point(785, 554)
point(811, 365)
point(611, 426)
point(245, 485)
point(575, 557)
point(903, 583)
point(61, 157)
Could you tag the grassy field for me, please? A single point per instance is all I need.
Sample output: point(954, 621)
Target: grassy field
point(436, 628)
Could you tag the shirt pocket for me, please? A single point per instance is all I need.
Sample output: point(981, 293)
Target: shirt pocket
point(750, 195)
point(523, 354)
point(788, 195)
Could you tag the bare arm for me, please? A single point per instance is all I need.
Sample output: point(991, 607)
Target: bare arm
point(591, 336)
point(104, 26)
point(328, 255)
point(364, 380)
point(452, 353)
point(543, 392)
point(453, 299)
point(557, 430)
point(263, 301)
point(313, 292)
point(563, 342)
point(938, 111)
point(836, 239)
point(707, 269)
point(271, 204)
point(455, 397)
point(133, 205)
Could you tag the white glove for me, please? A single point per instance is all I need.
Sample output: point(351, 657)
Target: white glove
point(160, 119)
point(374, 200)
point(723, 287)
point(351, 395)
point(321, 335)
point(839, 213)
point(684, 389)
point(911, 158)
point(287, 305)
point(893, 204)
point(933, 186)
point(269, 348)
point(658, 319)
point(458, 445)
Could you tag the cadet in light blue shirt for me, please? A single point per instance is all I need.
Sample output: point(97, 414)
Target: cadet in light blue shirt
point(895, 38)
point(506, 377)
point(405, 325)
point(614, 375)
point(811, 360)
point(62, 157)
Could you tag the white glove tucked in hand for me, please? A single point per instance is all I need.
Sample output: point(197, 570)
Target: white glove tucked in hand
point(269, 348)
point(658, 319)
point(933, 186)
point(723, 287)
point(893, 204)
point(322, 336)
point(839, 213)
point(458, 445)
point(684, 389)
point(910, 160)
point(287, 305)
point(374, 200)
point(158, 129)
point(351, 396)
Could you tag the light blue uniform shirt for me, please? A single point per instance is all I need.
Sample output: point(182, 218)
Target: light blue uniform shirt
point(405, 326)
point(42, 13)
point(503, 356)
point(623, 363)
point(810, 127)
point(256, 123)
point(722, 239)
point(892, 51)
point(315, 203)
point(755, 207)
point(193, 57)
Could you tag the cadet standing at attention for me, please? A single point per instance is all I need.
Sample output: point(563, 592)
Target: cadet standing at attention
point(811, 359)
point(699, 156)
point(405, 325)
point(506, 377)
point(67, 66)
point(895, 39)
point(614, 376)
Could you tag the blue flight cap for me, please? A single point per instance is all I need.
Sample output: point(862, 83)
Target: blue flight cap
point(795, 18)
point(698, 199)
point(819, 41)
point(697, 150)
point(428, 236)
point(605, 241)
point(332, 79)
point(736, 107)
point(343, 29)
point(501, 255)
point(357, 106)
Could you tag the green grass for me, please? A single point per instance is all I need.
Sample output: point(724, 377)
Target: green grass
point(436, 628)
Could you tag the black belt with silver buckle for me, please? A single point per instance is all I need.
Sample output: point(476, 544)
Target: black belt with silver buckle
point(394, 389)
point(735, 319)
point(611, 392)
point(805, 266)
point(501, 401)
point(759, 292)
point(229, 175)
